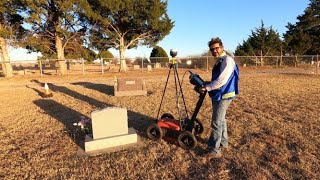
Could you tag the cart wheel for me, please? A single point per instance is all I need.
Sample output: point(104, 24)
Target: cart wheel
point(154, 132)
point(198, 127)
point(187, 140)
point(167, 115)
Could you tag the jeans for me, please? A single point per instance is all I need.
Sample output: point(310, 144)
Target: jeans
point(219, 134)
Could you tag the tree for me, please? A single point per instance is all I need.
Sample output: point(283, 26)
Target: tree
point(297, 42)
point(88, 55)
point(82, 52)
point(127, 24)
point(55, 27)
point(106, 55)
point(158, 54)
point(303, 37)
point(10, 29)
point(262, 42)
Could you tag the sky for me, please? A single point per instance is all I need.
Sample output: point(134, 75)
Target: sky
point(196, 22)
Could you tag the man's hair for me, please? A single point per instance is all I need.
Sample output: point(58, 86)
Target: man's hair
point(214, 41)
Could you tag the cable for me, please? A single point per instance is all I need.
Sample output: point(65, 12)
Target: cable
point(184, 75)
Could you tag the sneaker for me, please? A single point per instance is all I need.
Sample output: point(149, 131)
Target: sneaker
point(213, 150)
point(214, 155)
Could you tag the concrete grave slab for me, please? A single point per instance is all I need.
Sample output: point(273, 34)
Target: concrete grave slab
point(136, 67)
point(111, 144)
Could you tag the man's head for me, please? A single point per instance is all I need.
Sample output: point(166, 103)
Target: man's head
point(216, 47)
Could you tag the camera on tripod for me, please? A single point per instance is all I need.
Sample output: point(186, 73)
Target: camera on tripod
point(173, 53)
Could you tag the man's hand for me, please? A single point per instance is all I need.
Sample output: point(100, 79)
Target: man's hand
point(202, 90)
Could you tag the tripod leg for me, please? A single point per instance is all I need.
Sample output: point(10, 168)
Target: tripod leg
point(180, 88)
point(176, 79)
point(164, 91)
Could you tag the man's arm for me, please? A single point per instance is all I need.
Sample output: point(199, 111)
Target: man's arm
point(227, 67)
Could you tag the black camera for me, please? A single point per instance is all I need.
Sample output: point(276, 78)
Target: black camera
point(196, 80)
point(198, 83)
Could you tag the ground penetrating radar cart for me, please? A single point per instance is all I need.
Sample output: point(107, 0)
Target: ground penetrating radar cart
point(182, 129)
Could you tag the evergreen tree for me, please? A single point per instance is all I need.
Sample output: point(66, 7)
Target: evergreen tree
point(158, 54)
point(106, 55)
point(297, 41)
point(303, 37)
point(262, 42)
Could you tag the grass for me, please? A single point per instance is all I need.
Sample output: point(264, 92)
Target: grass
point(274, 129)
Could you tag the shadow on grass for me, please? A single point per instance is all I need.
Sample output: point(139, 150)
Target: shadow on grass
point(136, 120)
point(103, 88)
point(36, 90)
point(48, 73)
point(75, 94)
point(302, 74)
point(236, 170)
point(65, 115)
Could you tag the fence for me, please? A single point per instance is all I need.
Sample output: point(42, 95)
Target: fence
point(81, 66)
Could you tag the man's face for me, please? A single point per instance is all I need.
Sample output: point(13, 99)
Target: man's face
point(216, 49)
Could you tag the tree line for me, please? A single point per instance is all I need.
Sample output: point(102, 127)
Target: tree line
point(64, 28)
point(61, 29)
point(301, 38)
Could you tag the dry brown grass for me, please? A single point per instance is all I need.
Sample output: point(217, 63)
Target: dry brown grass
point(274, 129)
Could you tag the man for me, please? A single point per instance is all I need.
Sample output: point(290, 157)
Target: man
point(222, 89)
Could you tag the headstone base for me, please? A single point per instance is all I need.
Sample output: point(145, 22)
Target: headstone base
point(110, 144)
point(130, 93)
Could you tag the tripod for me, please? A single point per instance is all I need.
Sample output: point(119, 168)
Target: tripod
point(178, 90)
point(184, 129)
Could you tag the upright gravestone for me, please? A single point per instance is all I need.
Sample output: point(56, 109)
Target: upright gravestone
point(129, 87)
point(157, 65)
point(135, 67)
point(110, 131)
point(20, 72)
